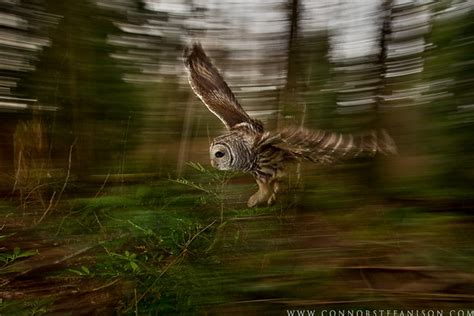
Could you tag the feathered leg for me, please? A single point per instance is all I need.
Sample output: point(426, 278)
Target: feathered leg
point(276, 188)
point(264, 193)
point(267, 192)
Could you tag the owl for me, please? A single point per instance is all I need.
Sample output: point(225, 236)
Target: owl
point(248, 147)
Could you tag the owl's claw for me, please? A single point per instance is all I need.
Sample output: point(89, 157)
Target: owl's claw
point(271, 199)
point(262, 195)
point(259, 198)
point(254, 200)
point(276, 188)
point(266, 194)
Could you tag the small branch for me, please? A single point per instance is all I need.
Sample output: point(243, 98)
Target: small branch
point(175, 260)
point(50, 206)
point(68, 173)
point(36, 188)
point(124, 149)
point(104, 286)
point(17, 175)
point(48, 209)
point(136, 302)
point(188, 243)
point(103, 185)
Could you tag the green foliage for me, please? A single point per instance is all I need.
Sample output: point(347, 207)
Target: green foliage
point(83, 271)
point(164, 241)
point(212, 181)
point(128, 261)
point(17, 253)
point(25, 307)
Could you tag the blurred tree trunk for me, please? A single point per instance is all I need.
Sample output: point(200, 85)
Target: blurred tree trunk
point(385, 32)
point(7, 129)
point(77, 74)
point(397, 106)
point(379, 120)
point(289, 95)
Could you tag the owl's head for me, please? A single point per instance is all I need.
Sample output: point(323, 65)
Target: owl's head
point(222, 156)
point(231, 152)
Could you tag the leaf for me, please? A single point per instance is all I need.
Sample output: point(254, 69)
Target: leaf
point(192, 185)
point(76, 271)
point(146, 231)
point(134, 266)
point(197, 166)
point(27, 253)
point(86, 269)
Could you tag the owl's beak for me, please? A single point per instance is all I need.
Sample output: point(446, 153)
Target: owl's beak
point(213, 164)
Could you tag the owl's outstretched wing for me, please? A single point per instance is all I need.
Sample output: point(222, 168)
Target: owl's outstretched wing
point(211, 88)
point(326, 147)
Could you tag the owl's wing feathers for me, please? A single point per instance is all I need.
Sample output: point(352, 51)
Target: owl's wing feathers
point(326, 147)
point(211, 88)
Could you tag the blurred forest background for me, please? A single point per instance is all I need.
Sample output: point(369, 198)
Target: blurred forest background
point(109, 205)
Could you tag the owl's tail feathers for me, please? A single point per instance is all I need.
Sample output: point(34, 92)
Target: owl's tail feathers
point(374, 142)
point(325, 147)
point(385, 143)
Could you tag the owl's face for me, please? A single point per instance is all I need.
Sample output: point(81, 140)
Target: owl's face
point(221, 156)
point(231, 152)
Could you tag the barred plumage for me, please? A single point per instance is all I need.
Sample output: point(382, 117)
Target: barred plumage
point(247, 147)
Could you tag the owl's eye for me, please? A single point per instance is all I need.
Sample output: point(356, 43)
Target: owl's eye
point(219, 154)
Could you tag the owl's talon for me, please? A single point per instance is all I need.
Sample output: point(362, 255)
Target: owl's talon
point(262, 195)
point(272, 199)
point(256, 199)
point(252, 201)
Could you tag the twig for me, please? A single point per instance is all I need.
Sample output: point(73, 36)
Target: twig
point(104, 286)
point(68, 173)
point(173, 262)
point(97, 219)
point(188, 243)
point(169, 265)
point(103, 185)
point(60, 260)
point(49, 208)
point(17, 175)
point(36, 188)
point(4, 221)
point(122, 163)
point(136, 302)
